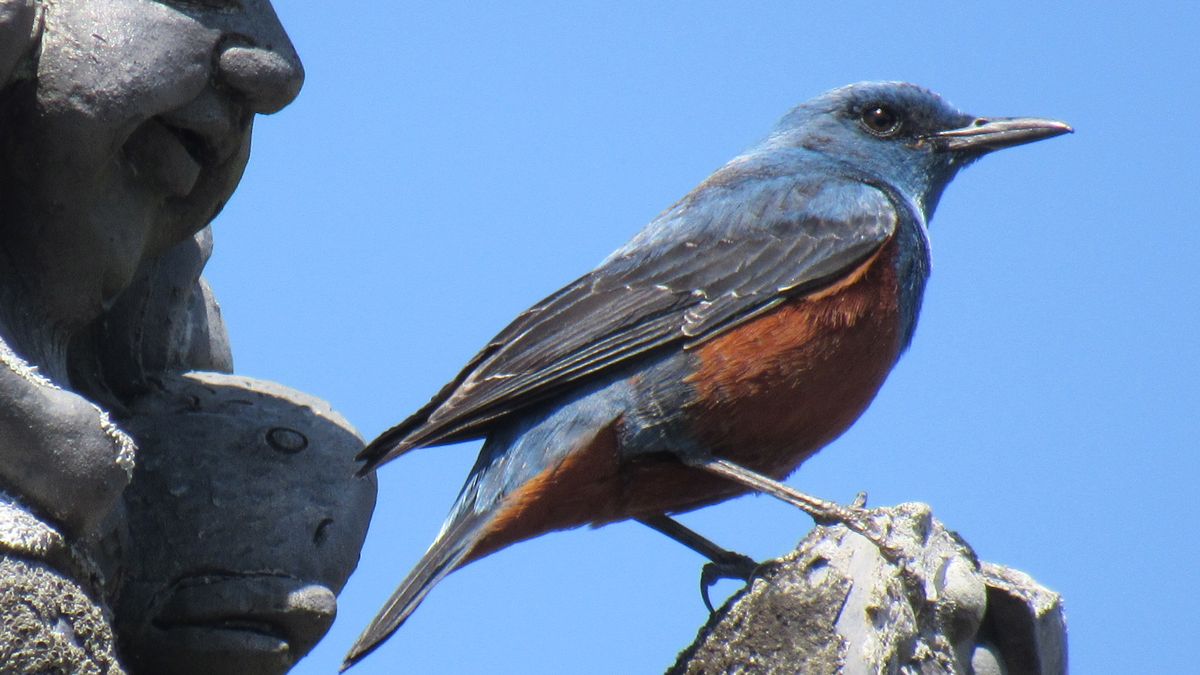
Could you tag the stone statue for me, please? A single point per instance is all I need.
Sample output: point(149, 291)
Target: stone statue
point(210, 519)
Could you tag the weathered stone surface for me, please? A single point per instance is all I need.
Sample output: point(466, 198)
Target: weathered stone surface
point(49, 624)
point(840, 604)
point(49, 619)
point(1026, 624)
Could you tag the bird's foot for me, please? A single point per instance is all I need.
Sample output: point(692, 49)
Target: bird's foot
point(725, 564)
point(859, 520)
point(855, 517)
point(737, 566)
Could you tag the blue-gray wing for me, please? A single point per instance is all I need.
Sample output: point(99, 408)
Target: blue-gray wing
point(734, 248)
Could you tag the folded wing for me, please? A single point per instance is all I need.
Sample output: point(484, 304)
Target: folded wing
point(732, 249)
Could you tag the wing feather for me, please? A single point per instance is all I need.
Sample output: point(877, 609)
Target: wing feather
point(729, 251)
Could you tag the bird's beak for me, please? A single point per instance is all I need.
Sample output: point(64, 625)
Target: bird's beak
point(985, 135)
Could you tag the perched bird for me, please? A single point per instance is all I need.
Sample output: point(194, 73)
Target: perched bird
point(743, 329)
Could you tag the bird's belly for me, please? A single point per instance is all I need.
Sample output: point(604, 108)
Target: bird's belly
point(770, 393)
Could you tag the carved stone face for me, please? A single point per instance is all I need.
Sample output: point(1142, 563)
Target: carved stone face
point(133, 132)
point(244, 520)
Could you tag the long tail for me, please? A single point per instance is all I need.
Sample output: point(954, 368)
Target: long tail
point(446, 555)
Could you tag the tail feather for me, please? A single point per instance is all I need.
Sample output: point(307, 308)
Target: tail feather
point(445, 556)
point(407, 435)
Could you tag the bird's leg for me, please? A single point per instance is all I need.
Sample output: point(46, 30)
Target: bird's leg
point(824, 512)
point(725, 564)
point(738, 565)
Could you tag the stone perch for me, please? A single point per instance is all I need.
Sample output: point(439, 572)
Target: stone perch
point(838, 605)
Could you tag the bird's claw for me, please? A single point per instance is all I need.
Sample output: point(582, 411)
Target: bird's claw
point(860, 520)
point(737, 566)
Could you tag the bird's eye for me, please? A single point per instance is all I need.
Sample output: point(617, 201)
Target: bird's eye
point(880, 119)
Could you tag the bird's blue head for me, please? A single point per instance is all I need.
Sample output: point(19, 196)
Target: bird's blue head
point(900, 135)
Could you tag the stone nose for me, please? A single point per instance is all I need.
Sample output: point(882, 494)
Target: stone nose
point(267, 78)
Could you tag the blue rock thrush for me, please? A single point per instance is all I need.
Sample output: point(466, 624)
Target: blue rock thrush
point(743, 329)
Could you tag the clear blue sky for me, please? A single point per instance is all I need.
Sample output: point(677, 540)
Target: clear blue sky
point(446, 167)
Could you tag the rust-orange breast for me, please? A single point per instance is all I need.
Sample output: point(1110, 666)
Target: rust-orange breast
point(774, 391)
